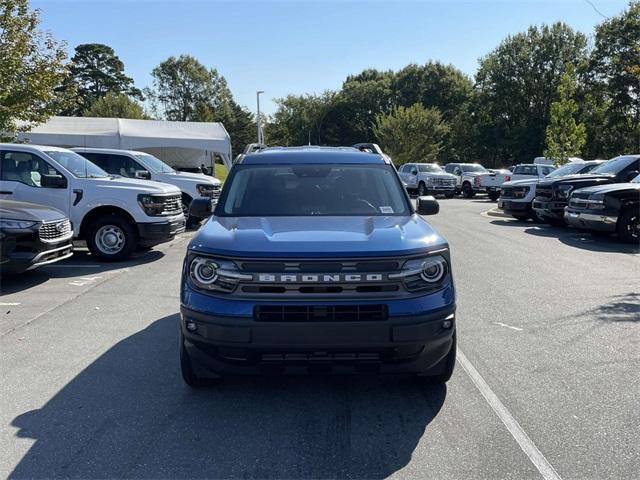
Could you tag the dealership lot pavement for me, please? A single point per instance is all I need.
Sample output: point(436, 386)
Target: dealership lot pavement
point(548, 323)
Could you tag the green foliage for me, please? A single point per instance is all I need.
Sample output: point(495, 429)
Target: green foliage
point(517, 83)
point(31, 66)
point(565, 138)
point(613, 80)
point(116, 106)
point(411, 134)
point(95, 71)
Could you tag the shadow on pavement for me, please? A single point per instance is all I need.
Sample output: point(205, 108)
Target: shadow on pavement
point(584, 240)
point(128, 414)
point(80, 264)
point(621, 308)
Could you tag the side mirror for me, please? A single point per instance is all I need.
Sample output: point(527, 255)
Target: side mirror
point(143, 174)
point(53, 181)
point(414, 172)
point(631, 175)
point(200, 208)
point(427, 205)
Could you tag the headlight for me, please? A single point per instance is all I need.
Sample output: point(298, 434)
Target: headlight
point(220, 275)
point(16, 224)
point(429, 180)
point(205, 189)
point(153, 205)
point(427, 273)
point(596, 202)
point(520, 192)
point(564, 191)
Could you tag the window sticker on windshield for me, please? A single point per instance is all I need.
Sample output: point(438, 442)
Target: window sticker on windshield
point(386, 209)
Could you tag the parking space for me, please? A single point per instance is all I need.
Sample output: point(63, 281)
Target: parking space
point(545, 384)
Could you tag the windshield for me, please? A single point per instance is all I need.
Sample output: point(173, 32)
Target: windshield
point(430, 168)
point(569, 169)
point(473, 168)
point(303, 190)
point(77, 165)
point(614, 166)
point(154, 164)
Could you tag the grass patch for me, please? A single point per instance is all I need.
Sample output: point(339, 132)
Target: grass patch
point(221, 172)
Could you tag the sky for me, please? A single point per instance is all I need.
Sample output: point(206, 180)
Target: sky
point(304, 46)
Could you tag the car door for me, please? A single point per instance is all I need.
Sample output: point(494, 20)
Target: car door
point(114, 164)
point(21, 175)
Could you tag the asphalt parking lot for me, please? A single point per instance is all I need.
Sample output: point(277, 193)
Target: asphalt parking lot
point(546, 384)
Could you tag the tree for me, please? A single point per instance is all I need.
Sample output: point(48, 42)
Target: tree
point(613, 75)
point(411, 134)
point(565, 138)
point(31, 66)
point(517, 83)
point(116, 106)
point(96, 70)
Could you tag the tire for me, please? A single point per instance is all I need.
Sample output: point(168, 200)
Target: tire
point(493, 196)
point(446, 365)
point(537, 218)
point(629, 226)
point(467, 191)
point(422, 189)
point(112, 238)
point(191, 221)
point(186, 369)
point(522, 218)
point(449, 195)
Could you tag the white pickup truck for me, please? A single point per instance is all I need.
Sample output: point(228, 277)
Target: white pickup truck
point(113, 214)
point(492, 182)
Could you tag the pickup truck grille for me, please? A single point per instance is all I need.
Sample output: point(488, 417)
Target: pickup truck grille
point(55, 231)
point(579, 200)
point(320, 313)
point(545, 191)
point(172, 204)
point(443, 182)
point(507, 192)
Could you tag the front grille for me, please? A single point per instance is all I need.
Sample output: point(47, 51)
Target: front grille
point(320, 313)
point(443, 182)
point(579, 200)
point(544, 191)
point(216, 192)
point(507, 192)
point(172, 204)
point(55, 231)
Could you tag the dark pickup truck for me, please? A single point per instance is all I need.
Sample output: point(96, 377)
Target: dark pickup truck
point(607, 208)
point(552, 195)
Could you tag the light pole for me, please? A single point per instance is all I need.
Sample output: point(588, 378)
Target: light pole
point(258, 116)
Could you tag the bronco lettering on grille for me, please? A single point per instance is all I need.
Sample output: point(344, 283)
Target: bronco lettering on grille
point(320, 278)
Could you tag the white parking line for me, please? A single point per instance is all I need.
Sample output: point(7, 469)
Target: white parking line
point(508, 326)
point(9, 304)
point(526, 444)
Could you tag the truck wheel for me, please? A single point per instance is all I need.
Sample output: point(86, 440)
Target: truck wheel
point(629, 226)
point(422, 189)
point(449, 195)
point(111, 238)
point(467, 191)
point(188, 373)
point(446, 366)
point(493, 196)
point(537, 217)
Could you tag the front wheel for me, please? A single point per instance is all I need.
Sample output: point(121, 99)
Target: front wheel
point(522, 218)
point(467, 191)
point(112, 238)
point(629, 226)
point(422, 189)
point(493, 196)
point(446, 365)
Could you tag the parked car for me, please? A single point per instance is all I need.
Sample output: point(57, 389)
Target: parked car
point(427, 179)
point(304, 267)
point(492, 182)
point(516, 196)
point(466, 174)
point(113, 214)
point(32, 235)
point(607, 208)
point(552, 195)
point(133, 164)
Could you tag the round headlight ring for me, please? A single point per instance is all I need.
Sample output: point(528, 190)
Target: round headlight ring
point(433, 270)
point(204, 270)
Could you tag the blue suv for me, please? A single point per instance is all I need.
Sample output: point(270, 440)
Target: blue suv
point(315, 261)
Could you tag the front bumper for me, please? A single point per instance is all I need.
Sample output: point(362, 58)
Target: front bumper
point(550, 208)
point(243, 346)
point(601, 220)
point(23, 250)
point(517, 207)
point(159, 232)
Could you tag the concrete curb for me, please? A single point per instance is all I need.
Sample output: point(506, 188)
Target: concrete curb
point(495, 212)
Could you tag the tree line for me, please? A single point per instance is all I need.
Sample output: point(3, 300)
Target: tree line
point(550, 90)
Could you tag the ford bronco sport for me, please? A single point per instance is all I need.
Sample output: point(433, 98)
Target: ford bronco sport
point(315, 261)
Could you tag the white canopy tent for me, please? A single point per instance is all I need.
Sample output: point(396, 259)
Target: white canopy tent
point(180, 144)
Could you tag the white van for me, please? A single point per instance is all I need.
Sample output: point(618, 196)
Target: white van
point(114, 215)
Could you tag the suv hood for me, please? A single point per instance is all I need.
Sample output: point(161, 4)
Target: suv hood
point(190, 178)
point(577, 179)
point(521, 183)
point(12, 210)
point(135, 185)
point(439, 175)
point(316, 236)
point(610, 187)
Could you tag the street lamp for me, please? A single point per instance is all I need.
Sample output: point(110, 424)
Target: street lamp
point(258, 116)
